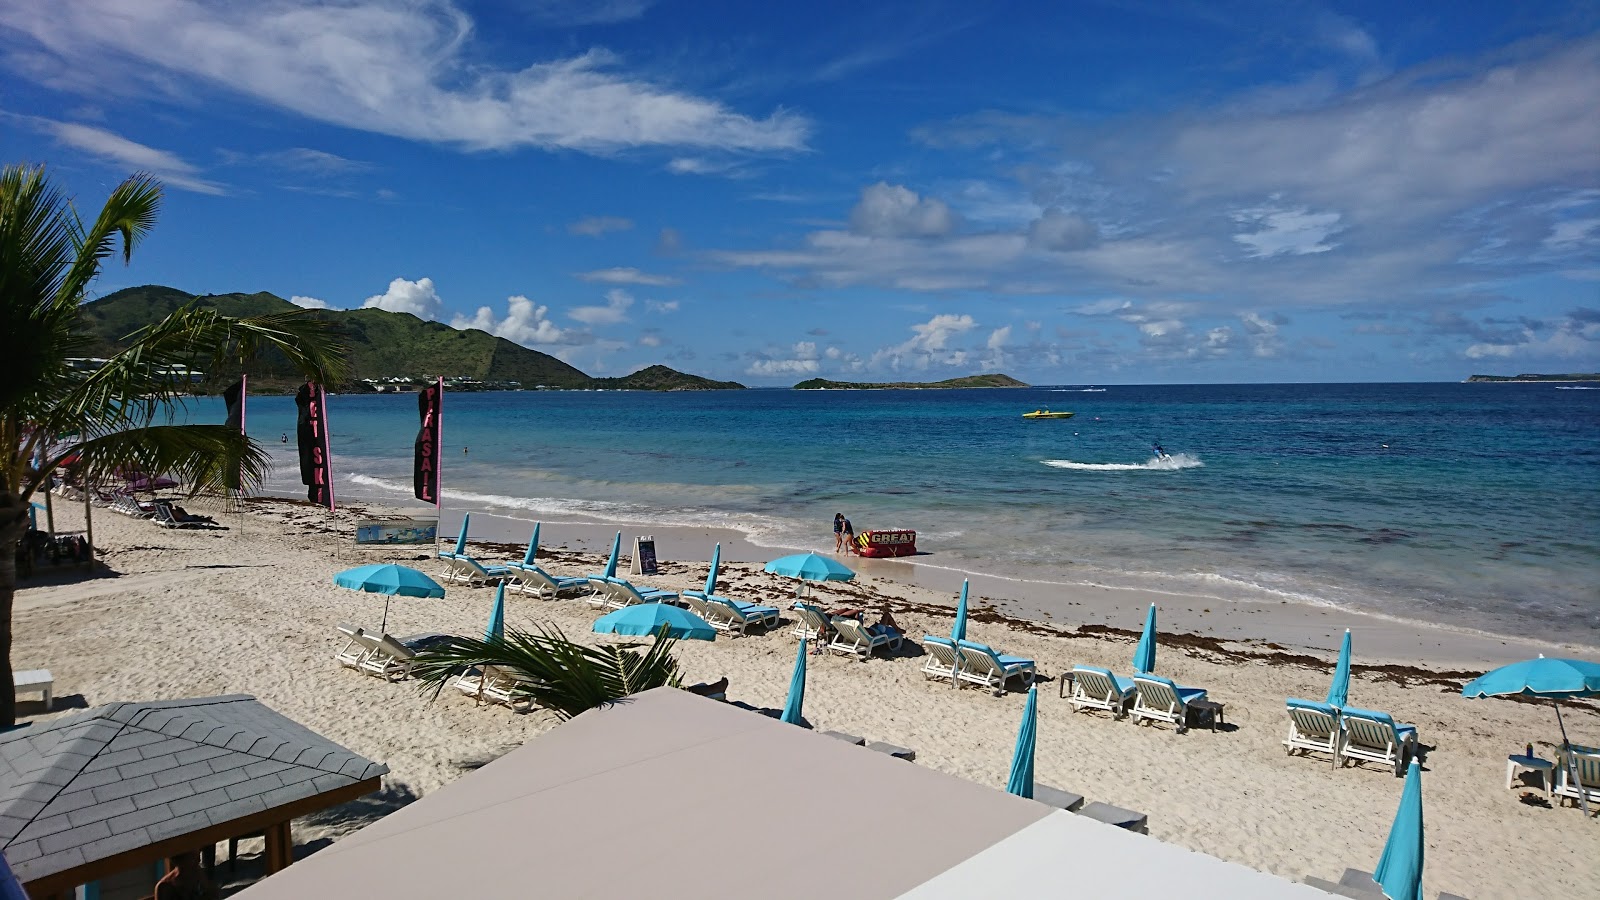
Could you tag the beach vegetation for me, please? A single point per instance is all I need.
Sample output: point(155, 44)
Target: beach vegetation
point(560, 674)
point(65, 413)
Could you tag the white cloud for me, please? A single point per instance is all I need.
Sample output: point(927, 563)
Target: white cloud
point(116, 149)
point(771, 367)
point(415, 297)
point(1291, 230)
point(886, 210)
point(595, 226)
point(930, 344)
point(1061, 231)
point(572, 13)
point(525, 322)
point(999, 337)
point(399, 69)
point(615, 310)
point(627, 275)
point(661, 307)
point(309, 302)
point(650, 339)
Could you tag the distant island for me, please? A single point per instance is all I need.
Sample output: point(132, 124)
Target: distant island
point(1573, 376)
point(389, 352)
point(994, 380)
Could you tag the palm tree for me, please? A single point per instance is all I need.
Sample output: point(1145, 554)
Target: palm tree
point(560, 674)
point(108, 418)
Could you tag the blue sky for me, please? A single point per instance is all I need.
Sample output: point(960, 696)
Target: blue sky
point(1087, 192)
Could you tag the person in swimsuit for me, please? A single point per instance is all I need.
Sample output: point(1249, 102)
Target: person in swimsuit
point(849, 537)
point(185, 880)
point(838, 532)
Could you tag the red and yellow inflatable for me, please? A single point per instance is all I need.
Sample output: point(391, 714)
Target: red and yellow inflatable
point(887, 542)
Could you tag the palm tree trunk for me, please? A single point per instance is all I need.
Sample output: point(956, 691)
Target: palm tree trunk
point(13, 525)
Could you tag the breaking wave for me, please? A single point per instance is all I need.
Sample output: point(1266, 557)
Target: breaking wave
point(1155, 464)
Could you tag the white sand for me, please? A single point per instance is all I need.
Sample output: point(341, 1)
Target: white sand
point(252, 610)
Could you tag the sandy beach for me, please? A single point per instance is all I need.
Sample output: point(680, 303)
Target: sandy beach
point(252, 609)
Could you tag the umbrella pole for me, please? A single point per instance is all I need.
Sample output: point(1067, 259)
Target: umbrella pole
point(1572, 766)
point(384, 628)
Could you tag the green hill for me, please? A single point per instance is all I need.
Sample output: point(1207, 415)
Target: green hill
point(993, 380)
point(382, 344)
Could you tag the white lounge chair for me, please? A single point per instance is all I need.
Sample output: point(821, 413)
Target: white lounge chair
point(1158, 699)
point(944, 661)
point(601, 593)
point(811, 622)
point(1094, 688)
point(529, 578)
point(1313, 728)
point(855, 639)
point(1374, 737)
point(699, 606)
point(1586, 760)
point(735, 617)
point(983, 666)
point(389, 659)
point(494, 684)
point(355, 649)
point(626, 593)
point(466, 570)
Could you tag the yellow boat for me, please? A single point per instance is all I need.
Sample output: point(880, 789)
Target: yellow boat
point(1046, 414)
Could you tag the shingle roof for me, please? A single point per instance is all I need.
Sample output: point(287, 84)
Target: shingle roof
point(125, 775)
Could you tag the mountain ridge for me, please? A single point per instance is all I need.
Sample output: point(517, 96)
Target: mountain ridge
point(989, 380)
point(383, 345)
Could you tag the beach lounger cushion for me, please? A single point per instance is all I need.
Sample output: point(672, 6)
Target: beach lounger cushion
point(855, 639)
point(528, 578)
point(735, 617)
point(1094, 688)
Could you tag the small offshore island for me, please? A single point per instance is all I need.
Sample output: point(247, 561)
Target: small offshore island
point(1534, 377)
point(992, 380)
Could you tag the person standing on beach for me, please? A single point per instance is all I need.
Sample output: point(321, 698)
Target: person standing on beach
point(849, 537)
point(838, 532)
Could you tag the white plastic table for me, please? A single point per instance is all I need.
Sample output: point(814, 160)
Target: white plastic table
point(1519, 763)
point(39, 680)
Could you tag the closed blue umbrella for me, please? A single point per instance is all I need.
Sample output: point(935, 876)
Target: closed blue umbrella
point(1021, 782)
point(716, 563)
point(646, 619)
point(1399, 870)
point(616, 550)
point(810, 567)
point(1144, 655)
point(496, 630)
point(461, 539)
point(1548, 678)
point(10, 889)
point(533, 547)
point(797, 688)
point(959, 632)
point(390, 580)
point(1339, 690)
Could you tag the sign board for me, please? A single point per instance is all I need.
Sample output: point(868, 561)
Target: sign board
point(644, 556)
point(397, 531)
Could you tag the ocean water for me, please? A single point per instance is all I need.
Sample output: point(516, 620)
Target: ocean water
point(1473, 505)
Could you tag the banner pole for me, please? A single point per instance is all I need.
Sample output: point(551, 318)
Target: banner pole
point(244, 393)
point(438, 470)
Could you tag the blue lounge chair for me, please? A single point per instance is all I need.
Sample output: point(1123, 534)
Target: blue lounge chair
point(982, 665)
point(855, 639)
point(529, 578)
point(465, 569)
point(944, 660)
point(1094, 688)
point(1374, 737)
point(734, 616)
point(1161, 699)
point(1313, 728)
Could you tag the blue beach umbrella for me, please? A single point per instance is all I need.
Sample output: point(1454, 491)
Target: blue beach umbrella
point(10, 888)
point(810, 567)
point(496, 630)
point(533, 547)
point(1548, 678)
point(1339, 690)
point(797, 688)
point(389, 580)
point(716, 563)
point(647, 619)
point(959, 632)
point(461, 539)
point(616, 550)
point(1399, 870)
point(1144, 655)
point(1021, 782)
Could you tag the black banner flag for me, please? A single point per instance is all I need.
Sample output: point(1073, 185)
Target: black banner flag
point(233, 396)
point(312, 434)
point(425, 466)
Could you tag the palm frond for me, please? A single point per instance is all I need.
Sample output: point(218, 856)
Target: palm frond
point(203, 457)
point(563, 675)
point(130, 212)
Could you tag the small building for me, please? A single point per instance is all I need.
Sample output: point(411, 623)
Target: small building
point(110, 793)
point(677, 797)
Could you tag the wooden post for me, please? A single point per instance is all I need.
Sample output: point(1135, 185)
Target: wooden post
point(88, 524)
point(280, 847)
point(50, 508)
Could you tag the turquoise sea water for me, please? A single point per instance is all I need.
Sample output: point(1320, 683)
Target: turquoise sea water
point(1482, 512)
